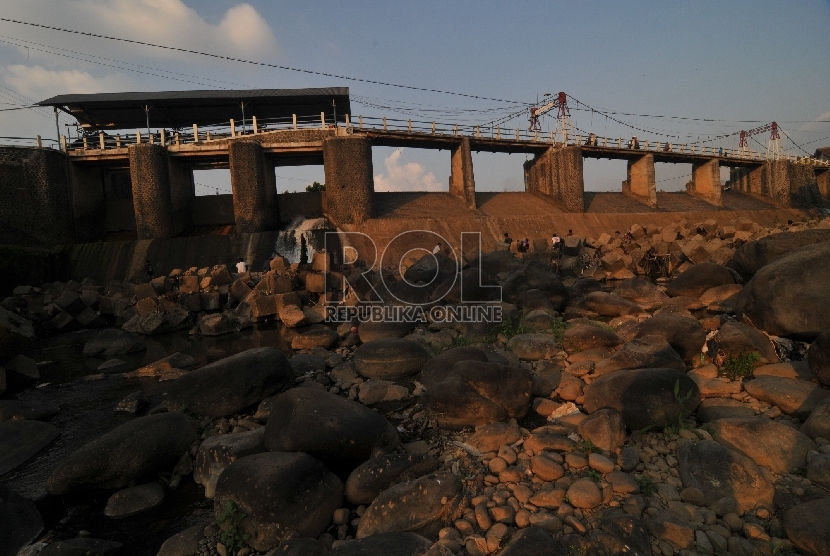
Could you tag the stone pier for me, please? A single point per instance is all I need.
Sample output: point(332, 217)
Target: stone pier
point(152, 199)
point(779, 182)
point(640, 183)
point(558, 174)
point(705, 182)
point(462, 180)
point(249, 185)
point(349, 181)
point(823, 183)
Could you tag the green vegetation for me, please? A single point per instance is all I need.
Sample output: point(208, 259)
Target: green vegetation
point(557, 330)
point(647, 486)
point(595, 475)
point(232, 536)
point(587, 446)
point(679, 423)
point(316, 186)
point(739, 366)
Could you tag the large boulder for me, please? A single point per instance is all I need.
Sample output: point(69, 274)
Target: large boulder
point(183, 543)
point(216, 453)
point(431, 269)
point(685, 334)
point(737, 338)
point(609, 305)
point(474, 393)
point(435, 368)
point(535, 276)
point(281, 495)
point(113, 341)
point(777, 447)
point(82, 546)
point(376, 475)
point(750, 257)
point(136, 449)
point(584, 336)
point(422, 506)
point(389, 358)
point(642, 292)
point(369, 331)
point(605, 429)
point(817, 424)
point(15, 334)
point(338, 431)
point(20, 441)
point(20, 522)
point(795, 397)
point(230, 385)
point(644, 397)
point(807, 526)
point(719, 472)
point(790, 296)
point(699, 278)
point(643, 353)
point(533, 541)
point(818, 356)
point(530, 347)
point(384, 544)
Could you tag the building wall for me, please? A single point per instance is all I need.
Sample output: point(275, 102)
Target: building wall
point(35, 206)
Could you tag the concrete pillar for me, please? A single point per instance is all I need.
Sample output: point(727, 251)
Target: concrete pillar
point(462, 180)
point(250, 203)
point(350, 184)
point(35, 203)
point(705, 183)
point(639, 183)
point(558, 174)
point(182, 194)
point(88, 205)
point(271, 193)
point(151, 191)
point(823, 181)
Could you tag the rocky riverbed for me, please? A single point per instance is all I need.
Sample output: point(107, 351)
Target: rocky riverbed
point(615, 410)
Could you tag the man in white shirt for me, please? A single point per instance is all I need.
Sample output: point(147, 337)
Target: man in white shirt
point(241, 267)
point(437, 249)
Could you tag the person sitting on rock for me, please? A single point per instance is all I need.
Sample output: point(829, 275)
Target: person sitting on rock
point(436, 249)
point(507, 239)
point(148, 268)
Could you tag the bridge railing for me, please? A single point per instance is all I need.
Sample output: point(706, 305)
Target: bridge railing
point(37, 141)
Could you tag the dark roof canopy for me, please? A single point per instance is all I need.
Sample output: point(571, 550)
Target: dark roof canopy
point(181, 109)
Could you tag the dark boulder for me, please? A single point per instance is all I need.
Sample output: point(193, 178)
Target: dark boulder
point(790, 296)
point(808, 528)
point(609, 305)
point(230, 385)
point(20, 522)
point(474, 393)
point(737, 338)
point(644, 397)
point(83, 546)
point(685, 334)
point(16, 410)
point(436, 367)
point(818, 356)
point(583, 336)
point(750, 257)
point(385, 544)
point(282, 495)
point(389, 358)
point(376, 475)
point(20, 441)
point(113, 341)
point(535, 276)
point(699, 278)
point(533, 541)
point(649, 352)
point(339, 432)
point(136, 449)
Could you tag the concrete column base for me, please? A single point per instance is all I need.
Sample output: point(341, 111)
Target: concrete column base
point(350, 185)
point(640, 183)
point(823, 182)
point(705, 183)
point(558, 174)
point(150, 177)
point(248, 183)
point(462, 180)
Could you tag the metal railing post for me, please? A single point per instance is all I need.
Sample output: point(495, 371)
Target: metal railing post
point(39, 142)
point(254, 124)
point(294, 119)
point(233, 128)
point(323, 120)
point(101, 140)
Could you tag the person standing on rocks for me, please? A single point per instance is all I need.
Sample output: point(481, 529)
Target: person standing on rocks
point(507, 239)
point(436, 249)
point(148, 268)
point(267, 265)
point(241, 267)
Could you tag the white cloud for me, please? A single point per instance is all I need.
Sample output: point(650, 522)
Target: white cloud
point(39, 83)
point(410, 176)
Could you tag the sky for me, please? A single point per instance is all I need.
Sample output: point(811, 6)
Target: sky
point(658, 68)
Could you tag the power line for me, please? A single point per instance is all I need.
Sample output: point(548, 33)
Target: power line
point(255, 63)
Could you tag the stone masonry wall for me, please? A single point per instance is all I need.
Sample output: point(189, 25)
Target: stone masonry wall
point(349, 180)
point(151, 191)
point(462, 180)
point(250, 201)
point(35, 206)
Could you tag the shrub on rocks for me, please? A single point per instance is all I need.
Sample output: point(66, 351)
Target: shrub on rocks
point(371, 478)
point(474, 393)
point(339, 432)
point(685, 334)
point(389, 358)
point(699, 278)
point(790, 297)
point(422, 506)
point(130, 451)
point(230, 385)
point(718, 472)
point(644, 397)
point(281, 495)
point(770, 444)
point(818, 356)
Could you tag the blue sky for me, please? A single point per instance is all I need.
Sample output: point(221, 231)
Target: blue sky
point(733, 61)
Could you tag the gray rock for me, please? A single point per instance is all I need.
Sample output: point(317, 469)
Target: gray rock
point(605, 428)
point(20, 522)
point(436, 367)
point(582, 337)
point(369, 331)
point(307, 363)
point(130, 451)
point(300, 547)
point(818, 471)
point(134, 500)
point(807, 527)
point(644, 397)
point(112, 341)
point(609, 305)
point(818, 423)
point(230, 385)
point(319, 337)
point(421, 506)
point(371, 478)
point(218, 452)
point(389, 358)
point(737, 338)
point(818, 356)
point(135, 403)
point(20, 441)
point(533, 541)
point(282, 495)
point(718, 471)
point(385, 544)
point(531, 347)
point(339, 432)
point(15, 334)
